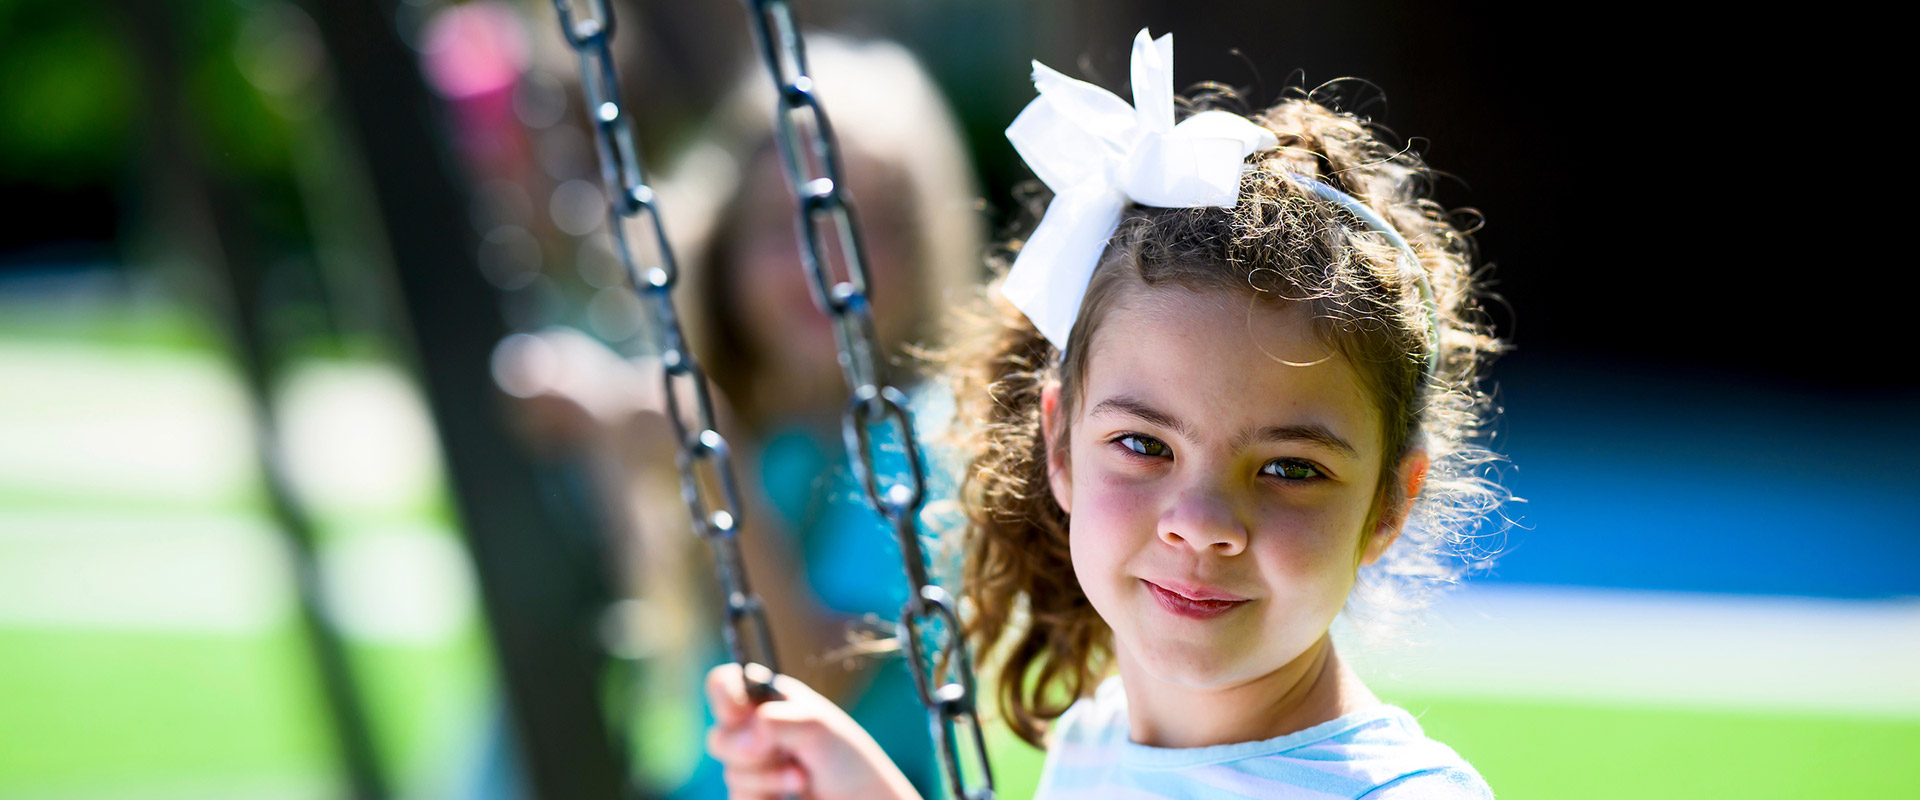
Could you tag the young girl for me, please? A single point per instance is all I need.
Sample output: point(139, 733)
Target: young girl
point(1237, 397)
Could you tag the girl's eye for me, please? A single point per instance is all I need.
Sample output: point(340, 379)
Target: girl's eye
point(1142, 445)
point(1292, 469)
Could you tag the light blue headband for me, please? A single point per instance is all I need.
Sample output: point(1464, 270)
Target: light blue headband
point(1097, 154)
point(1409, 261)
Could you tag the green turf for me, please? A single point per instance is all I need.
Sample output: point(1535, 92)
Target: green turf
point(121, 713)
point(86, 708)
point(159, 326)
point(1569, 751)
point(132, 327)
point(105, 710)
point(92, 710)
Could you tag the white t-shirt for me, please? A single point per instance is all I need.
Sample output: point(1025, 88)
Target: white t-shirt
point(1379, 754)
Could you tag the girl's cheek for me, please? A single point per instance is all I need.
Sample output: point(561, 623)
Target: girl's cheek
point(1303, 540)
point(1119, 495)
point(1096, 560)
point(1107, 527)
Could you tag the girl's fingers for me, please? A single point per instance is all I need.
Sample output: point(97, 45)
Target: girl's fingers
point(742, 745)
point(791, 727)
point(727, 691)
point(727, 696)
point(773, 783)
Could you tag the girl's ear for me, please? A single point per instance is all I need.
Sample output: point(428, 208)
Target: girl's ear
point(1412, 474)
point(1059, 468)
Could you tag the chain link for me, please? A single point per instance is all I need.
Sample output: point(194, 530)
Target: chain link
point(812, 161)
point(706, 469)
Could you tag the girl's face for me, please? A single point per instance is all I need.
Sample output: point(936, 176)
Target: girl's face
point(1218, 497)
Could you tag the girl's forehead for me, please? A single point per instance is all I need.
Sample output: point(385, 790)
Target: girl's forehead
point(1280, 332)
point(1228, 358)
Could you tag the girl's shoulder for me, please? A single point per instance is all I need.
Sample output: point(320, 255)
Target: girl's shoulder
point(1380, 753)
point(1093, 720)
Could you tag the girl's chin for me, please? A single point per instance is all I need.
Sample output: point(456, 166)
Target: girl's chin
point(1193, 665)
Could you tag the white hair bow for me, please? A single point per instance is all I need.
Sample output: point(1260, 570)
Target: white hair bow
point(1097, 153)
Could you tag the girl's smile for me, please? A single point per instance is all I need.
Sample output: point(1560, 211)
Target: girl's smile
point(1194, 603)
point(1221, 474)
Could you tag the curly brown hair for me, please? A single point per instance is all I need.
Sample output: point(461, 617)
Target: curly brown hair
point(1280, 244)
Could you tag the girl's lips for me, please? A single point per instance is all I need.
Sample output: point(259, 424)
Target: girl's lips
point(1207, 605)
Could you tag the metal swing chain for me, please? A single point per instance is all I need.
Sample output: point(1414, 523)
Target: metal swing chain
point(812, 161)
point(706, 470)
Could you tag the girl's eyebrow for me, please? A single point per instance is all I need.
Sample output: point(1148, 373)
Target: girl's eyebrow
point(1135, 408)
point(1308, 433)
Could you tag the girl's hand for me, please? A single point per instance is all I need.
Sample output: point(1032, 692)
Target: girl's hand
point(800, 745)
point(574, 389)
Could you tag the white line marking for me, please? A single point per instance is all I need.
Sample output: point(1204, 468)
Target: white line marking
point(1672, 649)
point(223, 575)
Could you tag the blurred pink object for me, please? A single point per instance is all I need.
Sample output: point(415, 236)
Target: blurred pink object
point(473, 54)
point(474, 48)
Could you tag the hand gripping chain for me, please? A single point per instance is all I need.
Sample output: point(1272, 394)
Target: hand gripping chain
point(812, 161)
point(706, 471)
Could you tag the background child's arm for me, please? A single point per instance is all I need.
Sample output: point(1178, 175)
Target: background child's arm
point(580, 396)
point(802, 744)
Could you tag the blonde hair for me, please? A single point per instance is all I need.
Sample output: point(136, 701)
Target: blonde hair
point(1279, 244)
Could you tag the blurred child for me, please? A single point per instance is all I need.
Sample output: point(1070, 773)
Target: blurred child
point(827, 565)
point(772, 354)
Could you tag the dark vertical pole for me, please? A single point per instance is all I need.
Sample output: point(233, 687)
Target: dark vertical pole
point(210, 219)
point(534, 546)
point(353, 730)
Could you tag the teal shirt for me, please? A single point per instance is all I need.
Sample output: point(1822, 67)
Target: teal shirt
point(853, 564)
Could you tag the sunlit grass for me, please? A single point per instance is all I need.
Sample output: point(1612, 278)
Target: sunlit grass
point(91, 710)
point(1572, 751)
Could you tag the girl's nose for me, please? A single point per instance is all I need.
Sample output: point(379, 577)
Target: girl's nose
point(1206, 522)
